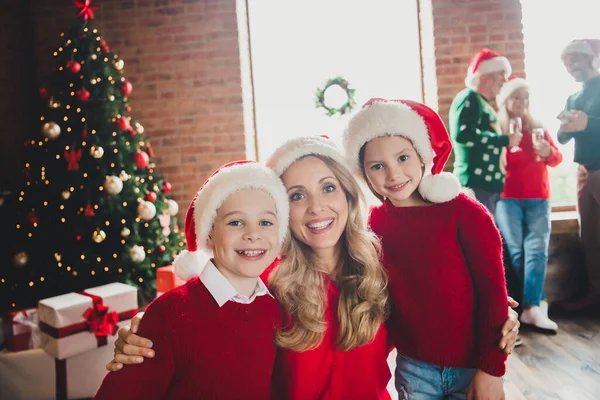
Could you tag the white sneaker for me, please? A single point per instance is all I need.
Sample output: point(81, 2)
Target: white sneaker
point(535, 316)
point(544, 307)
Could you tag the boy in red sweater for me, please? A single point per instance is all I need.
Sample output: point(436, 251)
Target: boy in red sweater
point(214, 336)
point(442, 252)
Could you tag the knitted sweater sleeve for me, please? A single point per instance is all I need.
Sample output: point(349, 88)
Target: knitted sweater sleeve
point(467, 132)
point(151, 379)
point(482, 247)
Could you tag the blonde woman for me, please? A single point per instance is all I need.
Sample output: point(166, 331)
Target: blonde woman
point(330, 283)
point(523, 211)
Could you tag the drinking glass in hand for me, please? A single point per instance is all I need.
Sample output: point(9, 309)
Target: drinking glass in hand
point(537, 135)
point(515, 125)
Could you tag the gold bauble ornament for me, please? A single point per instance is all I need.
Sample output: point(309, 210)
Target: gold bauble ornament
point(96, 152)
point(51, 130)
point(119, 64)
point(53, 103)
point(124, 176)
point(99, 236)
point(94, 56)
point(20, 259)
point(66, 194)
point(125, 232)
point(58, 257)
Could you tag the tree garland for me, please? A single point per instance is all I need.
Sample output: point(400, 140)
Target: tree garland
point(344, 108)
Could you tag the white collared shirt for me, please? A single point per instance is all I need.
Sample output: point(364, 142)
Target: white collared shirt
point(223, 291)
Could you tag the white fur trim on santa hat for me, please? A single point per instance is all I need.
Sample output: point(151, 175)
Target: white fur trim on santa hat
point(584, 47)
point(386, 118)
point(230, 180)
point(496, 64)
point(188, 264)
point(509, 88)
point(294, 149)
point(439, 188)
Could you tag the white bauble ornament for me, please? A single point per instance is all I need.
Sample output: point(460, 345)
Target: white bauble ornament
point(51, 130)
point(137, 253)
point(146, 210)
point(113, 184)
point(125, 232)
point(173, 207)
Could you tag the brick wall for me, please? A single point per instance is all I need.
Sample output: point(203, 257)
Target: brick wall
point(183, 60)
point(463, 27)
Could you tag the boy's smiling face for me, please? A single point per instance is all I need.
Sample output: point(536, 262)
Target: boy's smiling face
point(244, 238)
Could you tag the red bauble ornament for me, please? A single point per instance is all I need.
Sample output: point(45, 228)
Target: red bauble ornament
point(123, 124)
point(74, 66)
point(126, 88)
point(128, 108)
point(150, 151)
point(43, 93)
point(151, 196)
point(141, 159)
point(162, 248)
point(78, 238)
point(32, 217)
point(166, 187)
point(83, 95)
point(103, 46)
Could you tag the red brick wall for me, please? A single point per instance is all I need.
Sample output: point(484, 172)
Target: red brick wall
point(463, 27)
point(183, 60)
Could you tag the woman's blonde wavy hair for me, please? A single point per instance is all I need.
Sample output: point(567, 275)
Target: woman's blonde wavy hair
point(299, 284)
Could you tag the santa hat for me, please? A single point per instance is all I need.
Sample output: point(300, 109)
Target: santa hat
point(514, 83)
point(201, 213)
point(303, 146)
point(484, 62)
point(416, 122)
point(590, 47)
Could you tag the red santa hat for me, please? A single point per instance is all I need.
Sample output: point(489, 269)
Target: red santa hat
point(590, 47)
point(514, 83)
point(201, 213)
point(484, 62)
point(303, 146)
point(416, 122)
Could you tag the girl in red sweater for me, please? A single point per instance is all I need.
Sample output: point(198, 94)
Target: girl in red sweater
point(441, 250)
point(213, 336)
point(523, 212)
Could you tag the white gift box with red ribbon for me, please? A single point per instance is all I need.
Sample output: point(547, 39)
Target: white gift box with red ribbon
point(74, 323)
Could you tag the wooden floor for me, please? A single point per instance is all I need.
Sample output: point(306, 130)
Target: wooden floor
point(565, 366)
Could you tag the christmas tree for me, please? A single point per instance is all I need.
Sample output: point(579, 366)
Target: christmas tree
point(92, 209)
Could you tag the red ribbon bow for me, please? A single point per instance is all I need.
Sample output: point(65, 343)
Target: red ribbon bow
point(73, 156)
point(87, 10)
point(99, 321)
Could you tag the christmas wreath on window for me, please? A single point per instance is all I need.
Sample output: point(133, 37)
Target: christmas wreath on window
point(347, 106)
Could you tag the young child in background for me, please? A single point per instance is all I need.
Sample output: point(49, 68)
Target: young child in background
point(441, 250)
point(214, 336)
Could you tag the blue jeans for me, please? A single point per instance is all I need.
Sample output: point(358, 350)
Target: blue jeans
point(417, 380)
point(525, 226)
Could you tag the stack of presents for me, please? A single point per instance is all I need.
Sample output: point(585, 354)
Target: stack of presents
point(59, 349)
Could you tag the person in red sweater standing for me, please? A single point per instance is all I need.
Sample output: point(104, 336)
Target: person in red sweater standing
point(523, 212)
point(441, 250)
point(213, 336)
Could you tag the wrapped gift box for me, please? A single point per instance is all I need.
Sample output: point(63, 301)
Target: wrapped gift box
point(76, 323)
point(21, 330)
point(32, 374)
point(166, 280)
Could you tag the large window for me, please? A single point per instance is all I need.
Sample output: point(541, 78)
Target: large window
point(547, 28)
point(298, 45)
